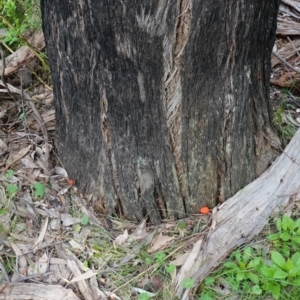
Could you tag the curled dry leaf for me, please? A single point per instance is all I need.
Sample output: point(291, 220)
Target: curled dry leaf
point(122, 238)
point(61, 171)
point(160, 243)
point(140, 232)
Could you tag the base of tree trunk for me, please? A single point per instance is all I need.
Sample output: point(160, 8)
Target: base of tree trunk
point(243, 216)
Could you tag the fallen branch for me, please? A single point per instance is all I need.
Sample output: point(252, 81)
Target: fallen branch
point(243, 216)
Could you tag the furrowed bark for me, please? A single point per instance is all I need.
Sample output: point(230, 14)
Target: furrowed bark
point(162, 107)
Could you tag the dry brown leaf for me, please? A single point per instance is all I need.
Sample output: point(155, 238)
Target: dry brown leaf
point(13, 157)
point(68, 220)
point(41, 235)
point(28, 163)
point(160, 243)
point(179, 261)
point(140, 232)
point(61, 171)
point(188, 265)
point(82, 284)
point(21, 259)
point(84, 276)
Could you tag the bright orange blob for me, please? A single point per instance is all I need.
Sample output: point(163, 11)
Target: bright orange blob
point(204, 210)
point(71, 182)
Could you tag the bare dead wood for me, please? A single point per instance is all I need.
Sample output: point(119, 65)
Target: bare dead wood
point(294, 4)
point(32, 291)
point(244, 215)
point(286, 27)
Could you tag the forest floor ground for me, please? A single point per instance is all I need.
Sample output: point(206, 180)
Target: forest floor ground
point(50, 235)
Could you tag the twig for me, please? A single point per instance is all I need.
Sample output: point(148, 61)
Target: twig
point(34, 276)
point(285, 62)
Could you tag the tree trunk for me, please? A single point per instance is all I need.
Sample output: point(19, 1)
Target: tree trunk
point(161, 106)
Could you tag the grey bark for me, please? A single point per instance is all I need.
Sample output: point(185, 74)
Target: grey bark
point(161, 106)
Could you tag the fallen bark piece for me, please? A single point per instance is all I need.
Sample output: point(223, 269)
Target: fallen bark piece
point(33, 291)
point(245, 214)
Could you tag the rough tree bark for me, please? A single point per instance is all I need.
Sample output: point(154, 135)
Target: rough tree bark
point(161, 106)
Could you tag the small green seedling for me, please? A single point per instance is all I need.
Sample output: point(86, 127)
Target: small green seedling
point(12, 190)
point(171, 268)
point(148, 261)
point(188, 283)
point(9, 174)
point(288, 231)
point(84, 220)
point(143, 296)
point(38, 190)
point(159, 257)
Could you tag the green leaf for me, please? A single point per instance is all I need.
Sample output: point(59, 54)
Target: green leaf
point(3, 211)
point(285, 222)
point(279, 224)
point(240, 276)
point(296, 259)
point(273, 237)
point(289, 264)
point(9, 174)
point(85, 263)
point(39, 189)
point(280, 274)
point(22, 116)
point(289, 222)
point(286, 251)
point(267, 272)
point(296, 281)
point(297, 223)
point(242, 265)
point(206, 296)
point(76, 228)
point(171, 268)
point(296, 239)
point(188, 283)
point(295, 272)
point(12, 189)
point(148, 261)
point(285, 236)
point(159, 257)
point(256, 290)
point(253, 277)
point(209, 280)
point(84, 220)
point(143, 296)
point(238, 256)
point(276, 291)
point(278, 259)
point(254, 262)
point(247, 254)
point(231, 265)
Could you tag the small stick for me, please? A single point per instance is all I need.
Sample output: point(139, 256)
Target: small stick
point(285, 62)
